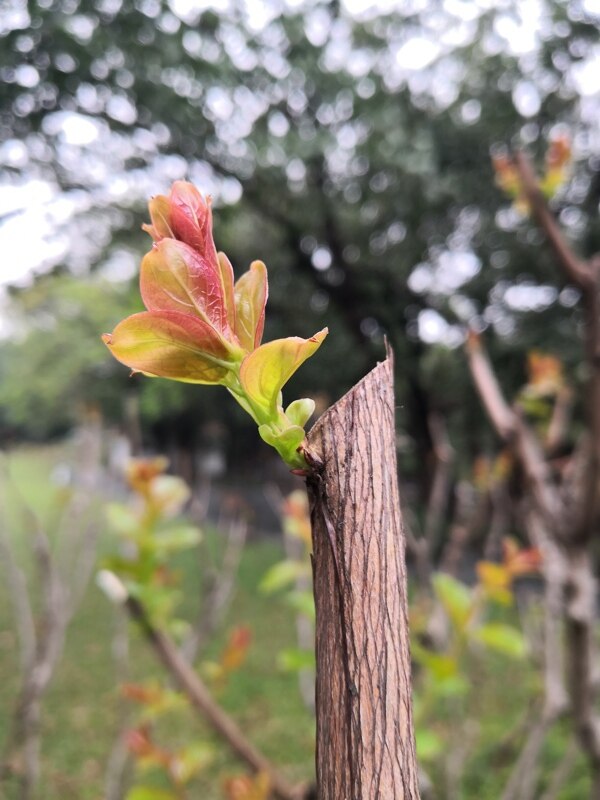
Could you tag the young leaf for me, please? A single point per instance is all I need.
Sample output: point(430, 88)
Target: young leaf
point(227, 281)
point(441, 665)
point(169, 493)
point(303, 602)
point(190, 761)
point(293, 659)
point(174, 539)
point(174, 277)
point(503, 639)
point(300, 411)
point(149, 793)
point(429, 745)
point(455, 598)
point(280, 575)
point(191, 219)
point(285, 442)
point(251, 292)
point(496, 581)
point(121, 519)
point(160, 214)
point(245, 787)
point(169, 344)
point(265, 371)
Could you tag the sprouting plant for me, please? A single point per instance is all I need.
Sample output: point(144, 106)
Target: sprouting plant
point(150, 531)
point(201, 327)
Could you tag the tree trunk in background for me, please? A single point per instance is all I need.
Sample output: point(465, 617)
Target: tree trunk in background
point(365, 735)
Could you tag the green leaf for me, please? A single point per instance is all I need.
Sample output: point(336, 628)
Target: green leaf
point(265, 371)
point(285, 442)
point(455, 597)
point(165, 702)
point(429, 745)
point(303, 602)
point(300, 411)
point(190, 761)
point(451, 686)
point(170, 493)
point(149, 793)
point(159, 601)
point(503, 639)
point(441, 665)
point(250, 293)
point(293, 659)
point(172, 540)
point(121, 519)
point(281, 575)
point(169, 344)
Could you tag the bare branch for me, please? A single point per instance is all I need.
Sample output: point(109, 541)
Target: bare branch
point(554, 569)
point(576, 270)
point(581, 611)
point(515, 432)
point(585, 275)
point(500, 413)
point(440, 487)
point(588, 503)
point(200, 698)
point(559, 422)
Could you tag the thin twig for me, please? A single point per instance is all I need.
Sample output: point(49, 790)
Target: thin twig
point(440, 487)
point(576, 270)
point(200, 698)
point(513, 430)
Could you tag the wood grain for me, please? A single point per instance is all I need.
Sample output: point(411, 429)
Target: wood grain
point(365, 736)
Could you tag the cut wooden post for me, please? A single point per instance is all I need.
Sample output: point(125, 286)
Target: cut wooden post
point(365, 735)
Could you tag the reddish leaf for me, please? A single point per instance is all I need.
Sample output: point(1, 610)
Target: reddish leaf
point(160, 215)
point(191, 219)
point(168, 344)
point(175, 278)
point(235, 651)
point(141, 472)
point(265, 371)
point(251, 292)
point(141, 694)
point(520, 561)
point(227, 279)
point(139, 742)
point(245, 787)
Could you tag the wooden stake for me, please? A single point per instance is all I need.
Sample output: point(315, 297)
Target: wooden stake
point(365, 735)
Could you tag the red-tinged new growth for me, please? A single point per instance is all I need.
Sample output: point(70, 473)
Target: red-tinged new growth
point(556, 172)
point(201, 326)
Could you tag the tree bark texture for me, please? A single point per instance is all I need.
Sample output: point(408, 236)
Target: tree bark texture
point(365, 735)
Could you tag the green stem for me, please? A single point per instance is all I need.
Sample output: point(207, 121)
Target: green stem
point(277, 425)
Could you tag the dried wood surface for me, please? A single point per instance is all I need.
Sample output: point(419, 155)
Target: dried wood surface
point(365, 738)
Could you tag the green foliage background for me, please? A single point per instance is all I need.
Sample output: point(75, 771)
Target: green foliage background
point(329, 158)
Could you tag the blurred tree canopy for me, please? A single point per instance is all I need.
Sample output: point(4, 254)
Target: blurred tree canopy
point(348, 149)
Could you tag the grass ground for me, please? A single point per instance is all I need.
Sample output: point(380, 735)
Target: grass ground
point(82, 709)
